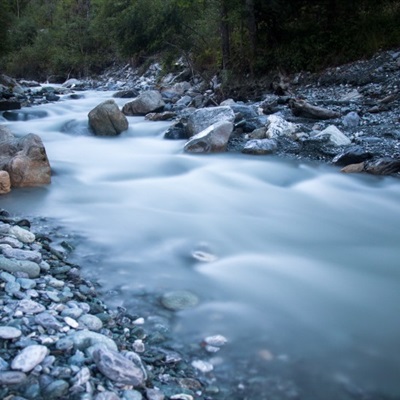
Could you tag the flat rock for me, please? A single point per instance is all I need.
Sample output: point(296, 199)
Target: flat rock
point(29, 358)
point(118, 368)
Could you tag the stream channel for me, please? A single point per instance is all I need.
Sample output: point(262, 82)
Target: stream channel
point(306, 281)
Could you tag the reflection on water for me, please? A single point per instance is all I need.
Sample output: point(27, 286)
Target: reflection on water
point(306, 280)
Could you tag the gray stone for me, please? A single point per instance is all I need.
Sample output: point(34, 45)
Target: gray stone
point(14, 266)
point(202, 118)
point(11, 377)
point(91, 322)
point(84, 339)
point(351, 120)
point(5, 182)
point(107, 396)
point(131, 395)
point(179, 300)
point(28, 306)
point(29, 358)
point(13, 242)
point(23, 255)
point(147, 102)
point(118, 368)
point(260, 146)
point(74, 312)
point(6, 277)
point(12, 287)
point(3, 365)
point(335, 136)
point(107, 119)
point(48, 321)
point(56, 389)
point(26, 283)
point(9, 332)
point(22, 234)
point(278, 126)
point(213, 139)
point(154, 394)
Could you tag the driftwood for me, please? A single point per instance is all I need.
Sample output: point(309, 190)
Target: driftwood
point(300, 108)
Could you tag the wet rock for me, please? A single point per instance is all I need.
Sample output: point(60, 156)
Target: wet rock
point(216, 340)
point(354, 168)
point(179, 300)
point(23, 255)
point(164, 116)
point(352, 155)
point(29, 358)
point(9, 332)
point(118, 368)
point(107, 120)
point(26, 161)
point(126, 94)
point(154, 394)
point(383, 166)
point(12, 377)
point(56, 389)
point(6, 104)
point(13, 266)
point(213, 139)
point(28, 306)
point(278, 126)
point(148, 101)
point(203, 366)
point(23, 235)
point(91, 322)
point(84, 339)
point(202, 118)
point(335, 136)
point(176, 132)
point(5, 182)
point(260, 146)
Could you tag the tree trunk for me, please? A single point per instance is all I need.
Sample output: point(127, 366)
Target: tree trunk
point(252, 30)
point(225, 37)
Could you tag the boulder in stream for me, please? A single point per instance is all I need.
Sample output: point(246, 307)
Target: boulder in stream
point(148, 101)
point(107, 119)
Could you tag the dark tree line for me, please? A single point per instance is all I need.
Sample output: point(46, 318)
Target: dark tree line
point(78, 37)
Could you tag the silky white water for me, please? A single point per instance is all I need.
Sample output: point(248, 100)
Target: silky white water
point(307, 276)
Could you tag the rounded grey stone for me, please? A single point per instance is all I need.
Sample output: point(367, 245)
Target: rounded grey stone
point(12, 287)
point(26, 283)
point(107, 396)
point(11, 377)
point(84, 339)
point(9, 332)
point(48, 321)
point(56, 389)
point(28, 306)
point(131, 395)
point(74, 312)
point(29, 358)
point(179, 300)
point(91, 322)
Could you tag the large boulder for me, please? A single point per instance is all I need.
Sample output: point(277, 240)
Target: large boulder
point(107, 119)
point(148, 101)
point(213, 139)
point(205, 117)
point(24, 159)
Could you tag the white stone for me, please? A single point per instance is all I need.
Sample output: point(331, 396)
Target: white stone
point(202, 366)
point(29, 358)
point(336, 137)
point(277, 126)
point(22, 234)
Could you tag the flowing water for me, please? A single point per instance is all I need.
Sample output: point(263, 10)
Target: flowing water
point(306, 283)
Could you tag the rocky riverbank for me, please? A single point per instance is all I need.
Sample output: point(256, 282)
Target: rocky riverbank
point(59, 340)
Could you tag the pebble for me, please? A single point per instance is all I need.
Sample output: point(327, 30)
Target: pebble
point(9, 332)
point(84, 339)
point(29, 358)
point(7, 277)
point(71, 322)
point(10, 265)
point(26, 283)
point(131, 395)
point(179, 300)
point(154, 394)
point(118, 368)
point(91, 322)
point(8, 240)
point(48, 321)
point(23, 255)
point(216, 340)
point(107, 396)
point(28, 306)
point(75, 312)
point(12, 288)
point(11, 377)
point(56, 389)
point(22, 234)
point(202, 366)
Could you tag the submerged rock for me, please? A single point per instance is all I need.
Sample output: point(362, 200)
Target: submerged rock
point(179, 300)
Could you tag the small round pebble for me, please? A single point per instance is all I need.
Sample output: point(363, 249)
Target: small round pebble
point(179, 300)
point(9, 332)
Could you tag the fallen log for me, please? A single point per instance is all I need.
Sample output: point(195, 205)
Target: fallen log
point(300, 108)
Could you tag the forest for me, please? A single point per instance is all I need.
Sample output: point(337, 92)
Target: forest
point(74, 38)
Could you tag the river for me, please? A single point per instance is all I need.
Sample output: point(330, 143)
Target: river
point(305, 284)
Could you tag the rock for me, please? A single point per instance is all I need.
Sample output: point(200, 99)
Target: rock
point(353, 168)
point(164, 116)
point(118, 368)
point(12, 377)
point(383, 166)
point(9, 105)
point(29, 267)
point(25, 160)
point(201, 119)
point(91, 322)
point(56, 389)
point(71, 83)
point(9, 332)
point(351, 120)
point(335, 136)
point(83, 339)
point(352, 155)
point(260, 146)
point(131, 395)
point(126, 94)
point(28, 306)
point(107, 395)
point(246, 112)
point(48, 321)
point(300, 108)
point(213, 139)
point(216, 340)
point(5, 182)
point(154, 394)
point(259, 133)
point(29, 358)
point(107, 120)
point(147, 102)
point(176, 132)
point(278, 126)
point(23, 235)
point(179, 300)
point(23, 255)
point(202, 366)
